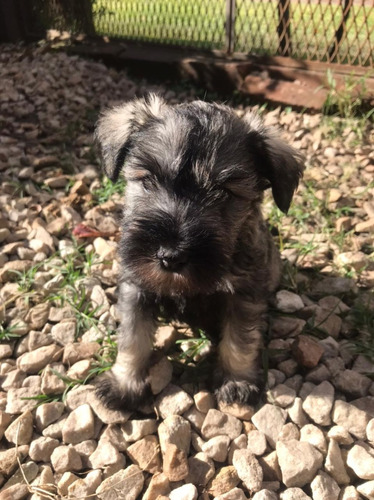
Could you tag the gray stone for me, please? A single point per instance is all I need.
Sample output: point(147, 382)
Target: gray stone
point(352, 383)
point(288, 302)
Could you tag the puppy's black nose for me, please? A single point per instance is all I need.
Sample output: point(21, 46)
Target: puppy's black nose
point(171, 260)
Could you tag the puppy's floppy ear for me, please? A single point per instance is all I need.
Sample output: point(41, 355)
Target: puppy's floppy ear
point(116, 127)
point(277, 163)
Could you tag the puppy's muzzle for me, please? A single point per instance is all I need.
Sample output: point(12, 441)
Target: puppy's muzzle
point(172, 260)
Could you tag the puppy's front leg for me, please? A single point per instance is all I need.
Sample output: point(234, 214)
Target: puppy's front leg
point(239, 374)
point(125, 386)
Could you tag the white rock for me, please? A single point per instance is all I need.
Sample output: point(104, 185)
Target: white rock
point(270, 420)
point(64, 333)
point(146, 454)
point(33, 362)
point(79, 426)
point(41, 448)
point(65, 459)
point(361, 462)
point(313, 435)
point(234, 494)
point(160, 375)
point(124, 485)
point(133, 430)
point(100, 302)
point(297, 414)
point(256, 442)
point(298, 462)
point(282, 395)
point(248, 469)
point(340, 435)
point(349, 493)
point(21, 429)
point(204, 401)
point(175, 430)
point(195, 417)
point(106, 454)
point(201, 469)
point(294, 494)
point(239, 443)
point(289, 431)
point(173, 401)
point(324, 487)
point(217, 423)
point(334, 464)
point(185, 492)
point(319, 403)
point(265, 495)
point(367, 489)
point(370, 431)
point(217, 448)
point(351, 418)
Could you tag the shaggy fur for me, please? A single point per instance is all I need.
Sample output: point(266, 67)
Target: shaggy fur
point(193, 237)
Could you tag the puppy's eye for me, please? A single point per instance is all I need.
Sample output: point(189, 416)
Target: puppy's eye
point(147, 182)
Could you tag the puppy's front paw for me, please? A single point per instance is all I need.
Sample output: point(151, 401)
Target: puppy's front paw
point(241, 392)
point(123, 395)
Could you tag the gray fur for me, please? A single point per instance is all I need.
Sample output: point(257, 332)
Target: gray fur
point(194, 240)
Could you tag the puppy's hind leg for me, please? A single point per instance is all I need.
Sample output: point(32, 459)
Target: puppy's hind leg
point(125, 386)
point(239, 374)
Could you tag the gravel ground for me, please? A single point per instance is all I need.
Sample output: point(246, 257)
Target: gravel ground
point(314, 435)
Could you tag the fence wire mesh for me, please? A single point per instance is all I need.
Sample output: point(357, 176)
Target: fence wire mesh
point(339, 31)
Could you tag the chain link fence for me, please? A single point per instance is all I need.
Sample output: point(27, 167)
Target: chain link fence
point(340, 31)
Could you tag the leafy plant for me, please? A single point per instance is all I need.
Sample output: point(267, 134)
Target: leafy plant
point(107, 189)
point(8, 332)
point(192, 348)
point(362, 317)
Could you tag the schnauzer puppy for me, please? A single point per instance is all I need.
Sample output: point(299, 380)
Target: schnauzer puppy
point(194, 243)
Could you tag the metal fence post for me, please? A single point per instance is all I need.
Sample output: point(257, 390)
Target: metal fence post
point(230, 25)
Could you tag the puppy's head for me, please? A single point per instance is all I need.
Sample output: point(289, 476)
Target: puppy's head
point(195, 177)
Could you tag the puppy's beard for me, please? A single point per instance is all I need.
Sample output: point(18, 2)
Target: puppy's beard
point(166, 283)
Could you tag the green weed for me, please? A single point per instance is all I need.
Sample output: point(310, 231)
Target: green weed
point(8, 333)
point(362, 317)
point(107, 189)
point(192, 348)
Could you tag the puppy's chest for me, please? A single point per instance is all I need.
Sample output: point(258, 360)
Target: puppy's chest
point(203, 312)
